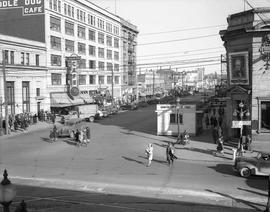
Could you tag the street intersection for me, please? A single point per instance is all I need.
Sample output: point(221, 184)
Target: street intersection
point(114, 163)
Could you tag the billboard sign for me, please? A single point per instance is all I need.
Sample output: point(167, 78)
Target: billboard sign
point(23, 19)
point(29, 7)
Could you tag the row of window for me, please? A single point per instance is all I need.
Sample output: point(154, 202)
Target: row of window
point(55, 25)
point(69, 46)
point(93, 79)
point(56, 60)
point(81, 16)
point(24, 58)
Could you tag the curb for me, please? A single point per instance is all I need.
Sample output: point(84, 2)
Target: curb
point(169, 193)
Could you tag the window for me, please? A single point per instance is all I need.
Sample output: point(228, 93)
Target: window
point(116, 30)
point(56, 79)
point(81, 48)
point(6, 56)
point(109, 40)
point(22, 58)
point(91, 20)
point(82, 79)
point(92, 79)
point(109, 79)
point(27, 59)
point(116, 80)
point(37, 91)
point(101, 80)
point(69, 10)
point(56, 60)
point(81, 32)
point(100, 38)
point(65, 8)
point(116, 55)
point(174, 118)
point(265, 116)
point(101, 66)
point(92, 50)
point(116, 43)
point(37, 59)
point(100, 23)
point(92, 64)
point(109, 54)
point(69, 46)
point(82, 63)
point(108, 27)
point(50, 4)
point(55, 43)
point(92, 35)
point(12, 57)
point(55, 24)
point(109, 67)
point(69, 28)
point(116, 67)
point(11, 96)
point(59, 6)
point(78, 14)
point(72, 12)
point(55, 5)
point(25, 97)
point(100, 52)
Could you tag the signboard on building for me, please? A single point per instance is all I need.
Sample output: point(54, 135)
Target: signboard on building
point(23, 19)
point(239, 124)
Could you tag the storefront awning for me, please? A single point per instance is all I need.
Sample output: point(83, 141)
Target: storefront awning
point(62, 100)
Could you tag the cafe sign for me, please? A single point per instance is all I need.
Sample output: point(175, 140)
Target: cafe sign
point(29, 7)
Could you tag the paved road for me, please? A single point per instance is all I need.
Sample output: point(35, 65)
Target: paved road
point(114, 162)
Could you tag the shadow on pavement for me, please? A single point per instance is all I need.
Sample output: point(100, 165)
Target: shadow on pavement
point(253, 192)
point(155, 160)
point(64, 200)
point(223, 169)
point(45, 139)
point(258, 182)
point(256, 206)
point(133, 160)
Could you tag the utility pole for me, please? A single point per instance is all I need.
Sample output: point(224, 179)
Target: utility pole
point(153, 82)
point(112, 87)
point(5, 91)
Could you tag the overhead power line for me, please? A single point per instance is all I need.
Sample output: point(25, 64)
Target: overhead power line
point(179, 56)
point(186, 52)
point(182, 30)
point(176, 40)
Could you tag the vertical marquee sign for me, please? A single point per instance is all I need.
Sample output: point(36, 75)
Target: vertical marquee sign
point(23, 19)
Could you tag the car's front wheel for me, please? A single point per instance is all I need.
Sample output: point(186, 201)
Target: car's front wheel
point(91, 119)
point(245, 172)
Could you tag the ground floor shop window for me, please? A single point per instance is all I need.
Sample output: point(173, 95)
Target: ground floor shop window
point(11, 97)
point(265, 116)
point(26, 96)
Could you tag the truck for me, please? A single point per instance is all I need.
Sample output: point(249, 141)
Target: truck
point(89, 112)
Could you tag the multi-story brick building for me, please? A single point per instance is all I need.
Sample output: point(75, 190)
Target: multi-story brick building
point(247, 42)
point(72, 29)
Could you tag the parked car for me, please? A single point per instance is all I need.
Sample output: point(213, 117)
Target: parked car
point(69, 115)
point(259, 165)
point(130, 106)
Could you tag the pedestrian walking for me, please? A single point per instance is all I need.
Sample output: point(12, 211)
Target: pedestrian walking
point(51, 135)
point(149, 152)
point(77, 133)
point(55, 133)
point(88, 134)
point(215, 135)
point(220, 147)
point(170, 154)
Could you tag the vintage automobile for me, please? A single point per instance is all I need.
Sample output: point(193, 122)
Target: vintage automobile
point(259, 165)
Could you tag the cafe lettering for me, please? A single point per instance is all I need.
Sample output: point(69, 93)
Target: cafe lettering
point(30, 7)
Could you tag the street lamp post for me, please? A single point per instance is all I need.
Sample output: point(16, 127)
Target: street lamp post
point(7, 192)
point(178, 118)
point(241, 112)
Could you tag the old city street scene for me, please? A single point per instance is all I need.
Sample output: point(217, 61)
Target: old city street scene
point(116, 105)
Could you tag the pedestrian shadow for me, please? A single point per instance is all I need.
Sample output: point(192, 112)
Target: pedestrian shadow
point(133, 160)
point(253, 205)
point(70, 142)
point(155, 160)
point(46, 139)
